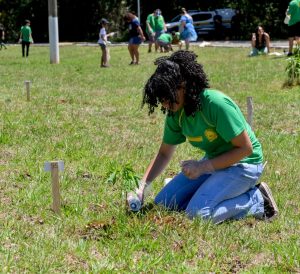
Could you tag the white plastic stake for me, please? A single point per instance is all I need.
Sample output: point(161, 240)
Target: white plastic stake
point(250, 111)
point(55, 167)
point(27, 85)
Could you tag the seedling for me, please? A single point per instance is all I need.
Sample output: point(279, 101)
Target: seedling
point(293, 67)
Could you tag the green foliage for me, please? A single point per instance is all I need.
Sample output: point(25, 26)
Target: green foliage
point(124, 174)
point(293, 67)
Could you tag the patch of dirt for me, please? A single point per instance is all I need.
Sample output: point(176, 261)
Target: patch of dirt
point(33, 220)
point(75, 263)
point(98, 207)
point(98, 229)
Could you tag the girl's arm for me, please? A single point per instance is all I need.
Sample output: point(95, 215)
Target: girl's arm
point(156, 167)
point(140, 31)
point(182, 25)
point(242, 147)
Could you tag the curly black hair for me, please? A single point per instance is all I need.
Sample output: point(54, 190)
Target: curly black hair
point(181, 68)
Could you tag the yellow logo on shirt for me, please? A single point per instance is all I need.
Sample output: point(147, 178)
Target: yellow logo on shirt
point(195, 139)
point(211, 135)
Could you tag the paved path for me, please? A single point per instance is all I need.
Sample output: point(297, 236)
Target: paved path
point(278, 44)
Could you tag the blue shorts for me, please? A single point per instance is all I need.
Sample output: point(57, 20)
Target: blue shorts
point(103, 46)
point(136, 40)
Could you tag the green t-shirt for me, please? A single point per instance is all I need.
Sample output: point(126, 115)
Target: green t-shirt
point(166, 38)
point(26, 32)
point(150, 20)
point(159, 23)
point(294, 12)
point(212, 128)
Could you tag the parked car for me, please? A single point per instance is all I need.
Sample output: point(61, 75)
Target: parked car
point(204, 21)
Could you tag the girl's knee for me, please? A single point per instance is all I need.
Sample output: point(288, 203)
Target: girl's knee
point(195, 212)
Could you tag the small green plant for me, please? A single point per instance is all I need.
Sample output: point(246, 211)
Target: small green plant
point(125, 174)
point(293, 67)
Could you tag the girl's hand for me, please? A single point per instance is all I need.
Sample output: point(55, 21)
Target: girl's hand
point(193, 169)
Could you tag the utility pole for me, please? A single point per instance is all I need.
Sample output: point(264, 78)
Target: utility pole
point(53, 31)
point(139, 10)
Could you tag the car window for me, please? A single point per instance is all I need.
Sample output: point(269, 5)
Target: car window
point(202, 17)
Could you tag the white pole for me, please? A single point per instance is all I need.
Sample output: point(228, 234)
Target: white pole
point(55, 167)
point(139, 10)
point(53, 32)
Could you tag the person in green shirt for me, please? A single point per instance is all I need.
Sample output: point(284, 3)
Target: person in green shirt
point(150, 30)
point(25, 37)
point(164, 42)
point(293, 24)
point(159, 26)
point(222, 185)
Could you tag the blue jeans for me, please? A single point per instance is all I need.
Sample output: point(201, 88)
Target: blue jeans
point(225, 194)
point(255, 51)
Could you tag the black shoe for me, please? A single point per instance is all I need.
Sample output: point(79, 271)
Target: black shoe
point(290, 54)
point(270, 207)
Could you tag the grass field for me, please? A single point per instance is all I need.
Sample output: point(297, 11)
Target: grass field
point(91, 118)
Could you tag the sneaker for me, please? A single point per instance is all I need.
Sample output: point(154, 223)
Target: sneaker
point(270, 207)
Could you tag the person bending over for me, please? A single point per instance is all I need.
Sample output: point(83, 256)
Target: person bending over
point(223, 184)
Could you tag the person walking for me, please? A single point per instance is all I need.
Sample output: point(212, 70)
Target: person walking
point(25, 37)
point(223, 184)
point(136, 37)
point(150, 30)
point(294, 24)
point(186, 28)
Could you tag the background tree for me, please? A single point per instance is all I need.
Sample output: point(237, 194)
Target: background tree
point(79, 20)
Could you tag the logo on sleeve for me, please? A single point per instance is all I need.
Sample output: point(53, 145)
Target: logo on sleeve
point(210, 134)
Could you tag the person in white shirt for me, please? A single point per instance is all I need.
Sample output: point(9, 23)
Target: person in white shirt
point(103, 43)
